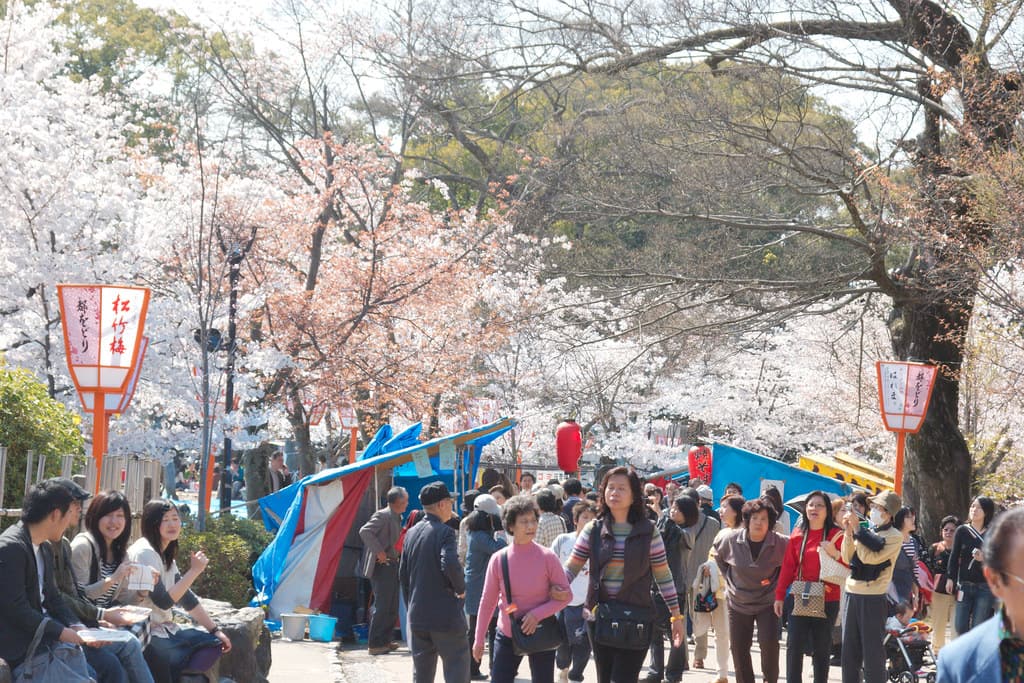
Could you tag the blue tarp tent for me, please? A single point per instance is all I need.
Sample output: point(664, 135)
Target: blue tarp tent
point(467, 466)
point(750, 470)
point(313, 517)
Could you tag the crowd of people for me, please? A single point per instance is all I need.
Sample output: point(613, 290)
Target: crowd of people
point(618, 576)
point(631, 573)
point(97, 608)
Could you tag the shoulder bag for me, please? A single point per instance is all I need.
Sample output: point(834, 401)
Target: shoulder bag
point(61, 663)
point(704, 599)
point(617, 624)
point(547, 636)
point(832, 571)
point(808, 596)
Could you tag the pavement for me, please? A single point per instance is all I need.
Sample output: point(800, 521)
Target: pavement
point(339, 663)
point(305, 661)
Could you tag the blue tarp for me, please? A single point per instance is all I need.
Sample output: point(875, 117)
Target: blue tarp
point(405, 475)
point(748, 469)
point(286, 504)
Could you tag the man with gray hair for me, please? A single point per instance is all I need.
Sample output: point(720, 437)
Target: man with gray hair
point(994, 649)
point(380, 565)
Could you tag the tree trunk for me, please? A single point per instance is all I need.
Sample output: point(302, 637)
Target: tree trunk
point(937, 468)
point(256, 462)
point(303, 447)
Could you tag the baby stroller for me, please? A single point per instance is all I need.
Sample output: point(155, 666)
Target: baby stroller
point(909, 656)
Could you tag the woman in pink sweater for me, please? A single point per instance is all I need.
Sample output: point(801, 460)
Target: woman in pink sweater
point(540, 588)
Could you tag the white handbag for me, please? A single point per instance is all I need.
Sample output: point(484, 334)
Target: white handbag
point(832, 571)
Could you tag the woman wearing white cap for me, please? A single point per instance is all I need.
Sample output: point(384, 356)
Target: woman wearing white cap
point(483, 541)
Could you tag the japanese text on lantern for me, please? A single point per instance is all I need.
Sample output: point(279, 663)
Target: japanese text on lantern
point(904, 389)
point(118, 325)
point(102, 329)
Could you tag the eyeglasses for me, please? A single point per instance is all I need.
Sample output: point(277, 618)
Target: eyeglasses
point(1014, 577)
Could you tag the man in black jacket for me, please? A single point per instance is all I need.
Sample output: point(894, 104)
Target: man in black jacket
point(434, 585)
point(117, 662)
point(26, 565)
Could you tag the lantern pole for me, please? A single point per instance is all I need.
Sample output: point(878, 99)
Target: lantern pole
point(901, 446)
point(100, 430)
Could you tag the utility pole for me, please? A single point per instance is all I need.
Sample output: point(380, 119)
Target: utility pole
point(236, 254)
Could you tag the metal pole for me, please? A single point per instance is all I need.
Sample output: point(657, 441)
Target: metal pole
point(3, 473)
point(29, 458)
point(67, 465)
point(235, 261)
point(41, 468)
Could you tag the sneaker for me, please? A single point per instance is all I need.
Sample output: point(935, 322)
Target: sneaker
point(698, 664)
point(477, 676)
point(382, 650)
point(393, 645)
point(563, 675)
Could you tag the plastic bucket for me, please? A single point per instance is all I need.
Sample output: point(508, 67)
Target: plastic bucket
point(321, 627)
point(293, 626)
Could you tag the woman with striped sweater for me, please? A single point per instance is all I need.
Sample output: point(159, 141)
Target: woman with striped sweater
point(630, 554)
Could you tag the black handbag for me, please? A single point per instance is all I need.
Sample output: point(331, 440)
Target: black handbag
point(623, 626)
point(548, 635)
point(617, 624)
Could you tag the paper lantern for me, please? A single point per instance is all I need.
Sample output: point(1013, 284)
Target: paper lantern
point(700, 463)
point(569, 446)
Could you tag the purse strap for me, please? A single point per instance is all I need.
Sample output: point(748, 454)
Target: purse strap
point(803, 546)
point(36, 639)
point(508, 583)
point(595, 564)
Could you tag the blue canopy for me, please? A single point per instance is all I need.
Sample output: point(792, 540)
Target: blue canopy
point(749, 470)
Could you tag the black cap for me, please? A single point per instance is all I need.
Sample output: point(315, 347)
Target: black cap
point(77, 492)
point(433, 493)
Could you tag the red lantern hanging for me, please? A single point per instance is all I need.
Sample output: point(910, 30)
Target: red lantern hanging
point(700, 463)
point(569, 446)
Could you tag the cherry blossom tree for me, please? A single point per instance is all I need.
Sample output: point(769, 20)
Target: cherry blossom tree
point(369, 292)
point(66, 192)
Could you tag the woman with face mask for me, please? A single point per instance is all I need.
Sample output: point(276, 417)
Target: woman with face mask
point(871, 555)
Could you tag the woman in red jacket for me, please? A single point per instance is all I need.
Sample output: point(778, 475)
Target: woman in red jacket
point(819, 527)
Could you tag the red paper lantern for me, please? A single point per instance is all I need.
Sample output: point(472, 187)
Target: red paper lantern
point(700, 463)
point(569, 446)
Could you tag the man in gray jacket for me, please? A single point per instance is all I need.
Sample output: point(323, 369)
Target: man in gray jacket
point(380, 565)
point(435, 586)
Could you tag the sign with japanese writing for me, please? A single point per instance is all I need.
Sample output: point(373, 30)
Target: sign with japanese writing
point(103, 328)
point(904, 391)
point(423, 467)
point(446, 455)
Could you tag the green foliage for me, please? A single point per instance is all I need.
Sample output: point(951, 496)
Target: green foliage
point(228, 576)
point(255, 536)
point(116, 40)
point(32, 421)
point(233, 545)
